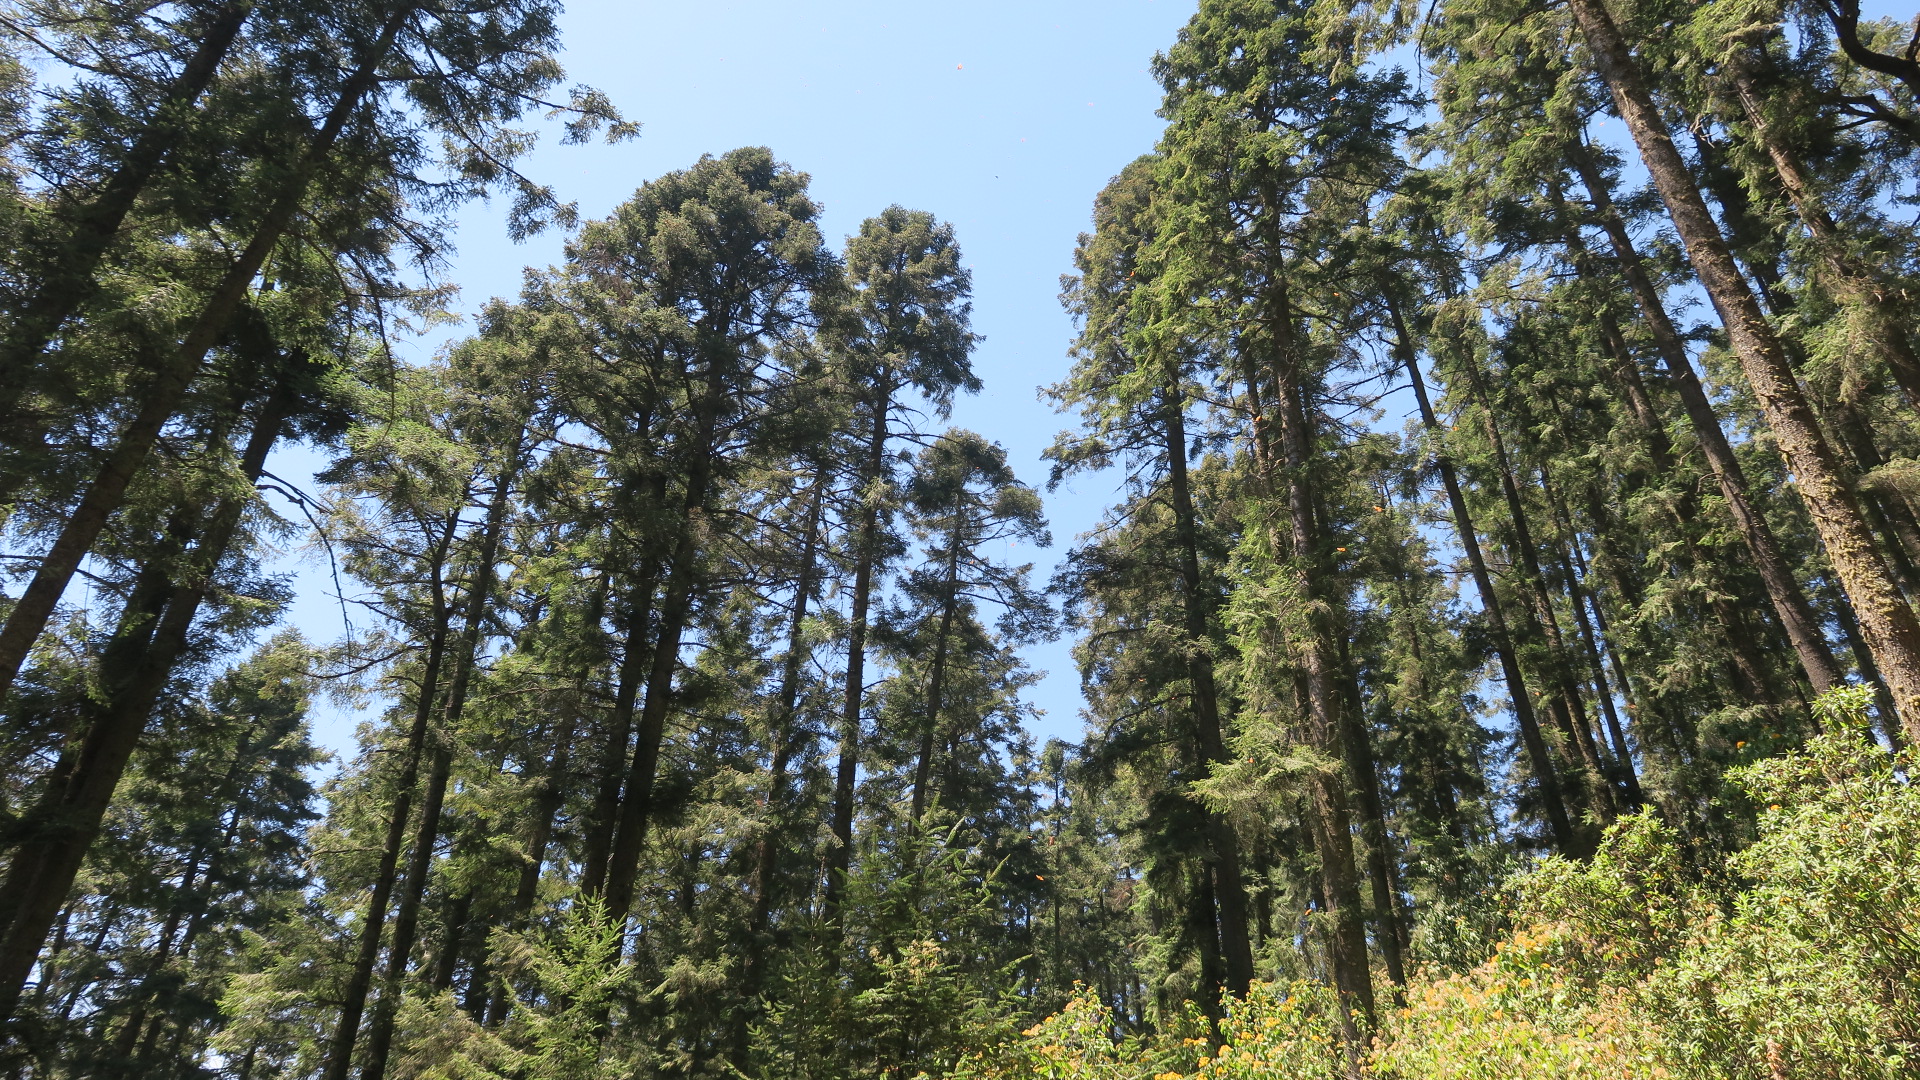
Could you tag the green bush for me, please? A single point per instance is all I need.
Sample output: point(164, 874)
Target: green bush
point(1799, 957)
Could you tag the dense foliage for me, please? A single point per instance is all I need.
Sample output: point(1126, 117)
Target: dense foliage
point(1500, 661)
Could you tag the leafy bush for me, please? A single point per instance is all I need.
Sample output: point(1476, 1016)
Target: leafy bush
point(1799, 957)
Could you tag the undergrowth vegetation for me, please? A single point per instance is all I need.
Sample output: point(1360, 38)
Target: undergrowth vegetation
point(1796, 957)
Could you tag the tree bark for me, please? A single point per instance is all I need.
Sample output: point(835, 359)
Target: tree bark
point(676, 608)
point(1887, 623)
point(66, 280)
point(1546, 775)
point(1229, 889)
point(161, 397)
point(1783, 591)
point(612, 772)
point(136, 666)
point(840, 852)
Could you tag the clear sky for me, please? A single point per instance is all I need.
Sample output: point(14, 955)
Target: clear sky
point(1004, 118)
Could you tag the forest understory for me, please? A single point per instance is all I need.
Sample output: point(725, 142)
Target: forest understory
point(1500, 657)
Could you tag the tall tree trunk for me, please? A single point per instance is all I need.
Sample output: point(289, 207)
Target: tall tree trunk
point(840, 852)
point(676, 609)
point(466, 656)
point(1287, 475)
point(160, 398)
point(1229, 888)
point(546, 807)
point(1788, 599)
point(1572, 571)
point(1546, 775)
point(615, 751)
point(1887, 623)
point(1624, 373)
point(766, 859)
point(135, 666)
point(1566, 707)
point(367, 954)
point(1357, 742)
point(1856, 283)
point(937, 671)
point(66, 278)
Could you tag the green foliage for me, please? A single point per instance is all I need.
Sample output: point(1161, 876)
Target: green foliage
point(1797, 960)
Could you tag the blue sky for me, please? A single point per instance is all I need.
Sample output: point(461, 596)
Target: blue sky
point(1003, 118)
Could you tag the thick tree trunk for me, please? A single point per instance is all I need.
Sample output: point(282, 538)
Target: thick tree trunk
point(67, 277)
point(1788, 599)
point(615, 751)
point(136, 667)
point(1230, 892)
point(1887, 623)
point(161, 397)
point(676, 609)
point(840, 852)
point(1546, 775)
point(1332, 818)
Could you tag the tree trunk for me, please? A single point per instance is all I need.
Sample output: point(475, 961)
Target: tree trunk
point(136, 667)
point(937, 672)
point(546, 806)
point(676, 608)
point(840, 854)
point(1545, 774)
point(1572, 570)
point(1887, 623)
point(612, 772)
point(161, 397)
point(1229, 888)
point(1857, 284)
point(420, 865)
point(766, 862)
point(1788, 599)
point(1357, 742)
point(65, 279)
point(1566, 707)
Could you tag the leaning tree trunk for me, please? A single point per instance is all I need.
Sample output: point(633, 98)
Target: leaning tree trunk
point(136, 667)
point(353, 1004)
point(1788, 599)
point(1887, 623)
point(1546, 775)
point(1567, 709)
point(161, 398)
point(68, 278)
point(1887, 327)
